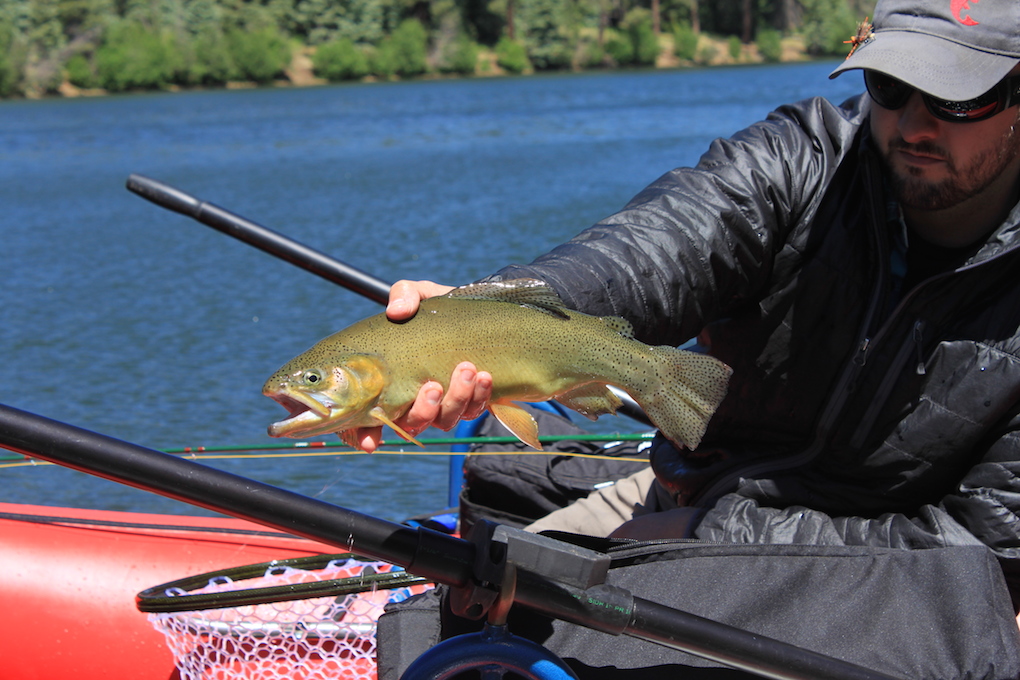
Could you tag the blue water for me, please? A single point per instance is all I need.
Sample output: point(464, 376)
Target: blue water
point(126, 319)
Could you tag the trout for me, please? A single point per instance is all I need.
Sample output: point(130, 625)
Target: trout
point(521, 333)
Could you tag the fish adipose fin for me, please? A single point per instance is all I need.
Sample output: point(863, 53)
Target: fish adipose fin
point(518, 421)
point(691, 387)
point(525, 292)
point(591, 400)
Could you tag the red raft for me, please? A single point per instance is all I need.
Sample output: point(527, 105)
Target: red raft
point(68, 580)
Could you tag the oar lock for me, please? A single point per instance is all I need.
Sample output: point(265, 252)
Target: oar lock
point(506, 556)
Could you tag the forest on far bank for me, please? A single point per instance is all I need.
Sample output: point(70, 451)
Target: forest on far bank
point(93, 46)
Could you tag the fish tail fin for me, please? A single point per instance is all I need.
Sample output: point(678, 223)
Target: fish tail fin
point(691, 386)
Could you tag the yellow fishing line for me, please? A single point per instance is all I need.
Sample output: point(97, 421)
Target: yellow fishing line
point(319, 454)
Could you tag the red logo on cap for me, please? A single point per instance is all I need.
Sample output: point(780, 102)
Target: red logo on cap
point(958, 7)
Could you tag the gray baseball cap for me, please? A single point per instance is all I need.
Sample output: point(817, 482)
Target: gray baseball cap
point(951, 49)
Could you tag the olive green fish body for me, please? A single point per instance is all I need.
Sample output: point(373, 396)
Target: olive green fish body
point(518, 331)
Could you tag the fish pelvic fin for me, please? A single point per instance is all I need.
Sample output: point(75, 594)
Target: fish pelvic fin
point(591, 400)
point(381, 416)
point(691, 387)
point(518, 421)
point(525, 292)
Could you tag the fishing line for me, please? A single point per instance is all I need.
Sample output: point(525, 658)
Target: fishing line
point(21, 462)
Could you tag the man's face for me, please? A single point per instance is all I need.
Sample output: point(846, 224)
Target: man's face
point(935, 164)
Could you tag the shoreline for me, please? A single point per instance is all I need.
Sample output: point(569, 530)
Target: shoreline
point(300, 72)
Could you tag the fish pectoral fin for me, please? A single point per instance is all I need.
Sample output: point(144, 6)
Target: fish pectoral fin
point(591, 400)
point(349, 437)
point(518, 421)
point(381, 416)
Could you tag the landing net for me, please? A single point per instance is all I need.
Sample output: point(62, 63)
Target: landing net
point(305, 619)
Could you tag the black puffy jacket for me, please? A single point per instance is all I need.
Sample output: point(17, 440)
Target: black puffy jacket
point(848, 421)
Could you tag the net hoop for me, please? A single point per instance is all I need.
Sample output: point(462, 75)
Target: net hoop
point(179, 595)
point(308, 618)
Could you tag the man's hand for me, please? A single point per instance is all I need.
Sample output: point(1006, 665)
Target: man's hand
point(406, 295)
point(470, 389)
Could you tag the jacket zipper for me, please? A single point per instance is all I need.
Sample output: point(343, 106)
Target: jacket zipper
point(907, 349)
point(839, 396)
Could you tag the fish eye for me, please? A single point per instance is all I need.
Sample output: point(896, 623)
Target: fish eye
point(312, 377)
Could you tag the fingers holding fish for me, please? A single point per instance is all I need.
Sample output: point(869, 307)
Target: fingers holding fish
point(423, 411)
point(368, 438)
point(466, 399)
point(405, 296)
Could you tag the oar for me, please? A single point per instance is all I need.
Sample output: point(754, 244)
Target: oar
point(291, 251)
point(552, 577)
point(261, 237)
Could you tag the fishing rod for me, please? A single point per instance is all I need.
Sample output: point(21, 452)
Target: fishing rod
point(291, 251)
point(552, 577)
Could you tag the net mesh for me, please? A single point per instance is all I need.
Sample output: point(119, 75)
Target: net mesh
point(322, 637)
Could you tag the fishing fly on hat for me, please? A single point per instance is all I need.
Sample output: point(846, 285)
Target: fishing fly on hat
point(951, 49)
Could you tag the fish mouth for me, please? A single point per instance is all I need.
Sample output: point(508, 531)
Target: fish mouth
point(307, 413)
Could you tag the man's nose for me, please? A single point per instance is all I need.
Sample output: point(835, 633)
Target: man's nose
point(916, 123)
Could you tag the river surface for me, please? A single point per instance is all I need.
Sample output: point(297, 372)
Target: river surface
point(138, 323)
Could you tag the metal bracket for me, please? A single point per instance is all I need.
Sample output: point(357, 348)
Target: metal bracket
point(502, 552)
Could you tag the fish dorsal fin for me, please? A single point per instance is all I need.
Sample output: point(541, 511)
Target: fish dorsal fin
point(525, 292)
point(620, 325)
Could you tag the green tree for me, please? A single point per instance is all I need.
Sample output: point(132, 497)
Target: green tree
point(511, 56)
point(45, 33)
point(319, 21)
point(203, 18)
point(685, 42)
point(620, 48)
point(544, 26)
point(12, 59)
point(16, 17)
point(733, 47)
point(210, 60)
point(79, 72)
point(770, 44)
point(826, 24)
point(637, 43)
point(340, 60)
point(133, 56)
point(459, 56)
point(79, 17)
point(258, 55)
point(407, 48)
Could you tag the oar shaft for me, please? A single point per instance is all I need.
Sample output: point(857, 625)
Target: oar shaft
point(427, 553)
point(261, 237)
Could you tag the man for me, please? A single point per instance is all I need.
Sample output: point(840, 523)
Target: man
point(858, 266)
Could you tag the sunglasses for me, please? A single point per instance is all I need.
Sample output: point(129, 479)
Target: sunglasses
point(890, 93)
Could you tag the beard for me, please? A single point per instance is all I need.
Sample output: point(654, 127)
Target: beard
point(912, 190)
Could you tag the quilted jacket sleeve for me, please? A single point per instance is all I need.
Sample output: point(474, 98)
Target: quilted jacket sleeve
point(700, 240)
